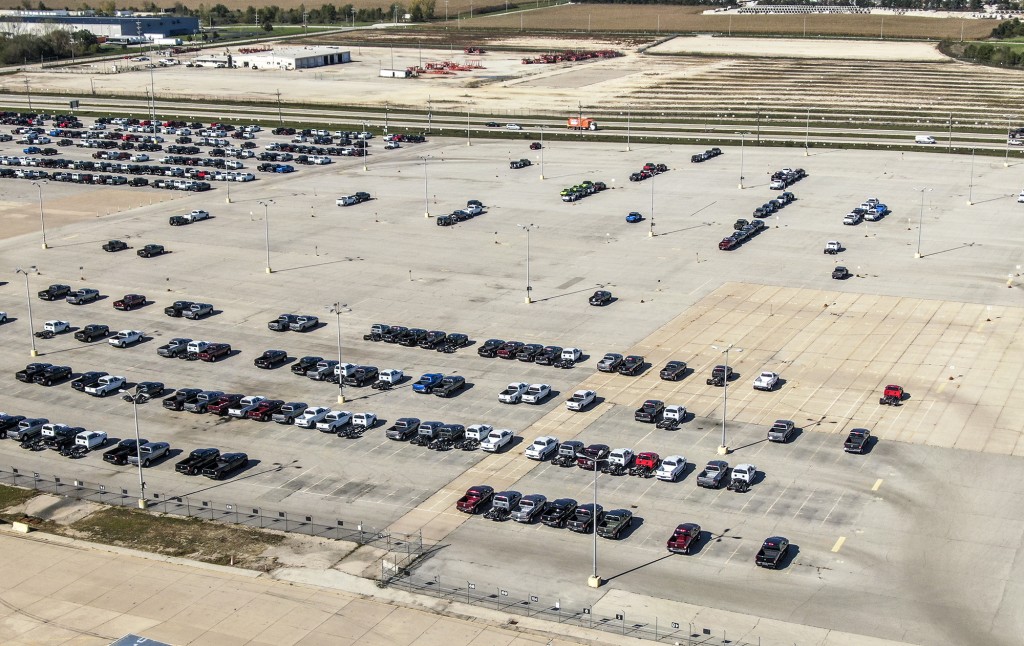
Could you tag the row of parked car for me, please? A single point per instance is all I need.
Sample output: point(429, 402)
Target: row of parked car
point(417, 337)
point(710, 153)
point(473, 209)
point(649, 170)
point(870, 209)
point(582, 190)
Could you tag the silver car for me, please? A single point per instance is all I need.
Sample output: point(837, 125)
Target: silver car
point(529, 508)
point(150, 452)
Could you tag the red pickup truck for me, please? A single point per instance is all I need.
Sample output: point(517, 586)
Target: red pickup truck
point(475, 499)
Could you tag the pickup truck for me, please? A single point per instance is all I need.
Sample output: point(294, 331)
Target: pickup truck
point(614, 523)
point(529, 508)
point(513, 393)
point(244, 405)
point(302, 323)
point(92, 331)
point(520, 163)
point(215, 351)
point(536, 393)
point(282, 323)
point(403, 428)
point(684, 538)
point(585, 518)
point(427, 383)
point(119, 454)
point(580, 400)
point(224, 464)
point(766, 381)
point(475, 499)
point(105, 386)
point(196, 461)
point(610, 362)
point(129, 302)
point(82, 296)
point(649, 411)
point(673, 371)
point(719, 375)
point(151, 250)
point(713, 475)
point(449, 386)
point(197, 311)
point(59, 436)
point(558, 512)
point(288, 412)
point(176, 402)
point(150, 452)
point(772, 551)
point(781, 430)
point(742, 477)
point(857, 441)
point(125, 338)
point(202, 401)
point(54, 292)
point(52, 374)
point(174, 348)
point(362, 376)
point(177, 308)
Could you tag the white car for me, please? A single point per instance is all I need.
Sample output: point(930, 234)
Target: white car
point(478, 432)
point(580, 399)
point(125, 338)
point(766, 381)
point(541, 448)
point(621, 457)
point(536, 393)
point(311, 416)
point(106, 385)
point(513, 126)
point(244, 405)
point(56, 326)
point(391, 376)
point(364, 420)
point(91, 439)
point(1020, 197)
point(671, 468)
point(513, 393)
point(852, 218)
point(571, 354)
point(496, 439)
point(197, 214)
point(744, 472)
point(333, 421)
point(3, 317)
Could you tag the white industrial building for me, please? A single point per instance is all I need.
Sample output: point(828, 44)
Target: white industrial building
point(292, 58)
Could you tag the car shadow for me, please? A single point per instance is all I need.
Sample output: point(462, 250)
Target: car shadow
point(71, 330)
point(797, 432)
point(553, 395)
point(234, 353)
point(637, 523)
point(171, 454)
point(287, 362)
point(101, 297)
point(516, 441)
point(212, 313)
point(458, 393)
point(779, 383)
point(142, 341)
point(10, 319)
point(789, 556)
point(690, 467)
point(598, 400)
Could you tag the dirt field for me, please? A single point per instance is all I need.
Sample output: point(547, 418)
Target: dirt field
point(772, 48)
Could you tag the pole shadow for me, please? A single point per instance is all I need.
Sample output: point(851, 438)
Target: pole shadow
point(639, 567)
point(935, 253)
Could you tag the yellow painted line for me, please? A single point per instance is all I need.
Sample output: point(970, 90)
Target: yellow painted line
point(941, 387)
point(878, 483)
point(839, 544)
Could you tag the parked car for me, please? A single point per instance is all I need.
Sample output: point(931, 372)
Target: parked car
point(671, 468)
point(781, 430)
point(580, 400)
point(673, 371)
point(542, 448)
point(497, 439)
point(684, 538)
point(558, 512)
point(614, 523)
point(529, 508)
point(610, 362)
point(270, 358)
point(475, 499)
point(151, 250)
point(586, 518)
point(115, 245)
point(772, 552)
point(82, 296)
point(536, 394)
point(288, 412)
point(631, 365)
point(125, 338)
point(129, 302)
point(305, 364)
point(196, 461)
point(54, 292)
point(224, 464)
point(91, 332)
point(149, 452)
point(52, 375)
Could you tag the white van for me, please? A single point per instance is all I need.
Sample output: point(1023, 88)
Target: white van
point(924, 139)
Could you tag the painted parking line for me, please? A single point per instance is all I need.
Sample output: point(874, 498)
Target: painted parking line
point(839, 544)
point(878, 483)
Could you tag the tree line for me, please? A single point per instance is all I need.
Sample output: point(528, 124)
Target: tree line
point(59, 43)
point(326, 14)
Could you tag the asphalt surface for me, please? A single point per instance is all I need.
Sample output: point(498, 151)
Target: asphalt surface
point(912, 517)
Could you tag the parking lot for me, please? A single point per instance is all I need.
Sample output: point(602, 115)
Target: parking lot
point(943, 326)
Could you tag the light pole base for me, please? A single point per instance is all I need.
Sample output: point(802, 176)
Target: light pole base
point(917, 254)
point(970, 203)
point(806, 153)
point(33, 353)
point(741, 186)
point(426, 215)
point(227, 200)
point(364, 167)
point(1006, 164)
point(44, 246)
point(723, 450)
point(650, 234)
point(542, 176)
point(269, 270)
point(341, 399)
point(595, 581)
point(143, 503)
point(527, 300)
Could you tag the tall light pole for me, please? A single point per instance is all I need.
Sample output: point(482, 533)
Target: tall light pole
point(724, 448)
point(542, 151)
point(595, 580)
point(469, 142)
point(970, 187)
point(338, 309)
point(135, 400)
point(629, 111)
point(807, 132)
point(426, 199)
point(266, 228)
point(528, 228)
point(1006, 157)
point(743, 136)
point(28, 299)
point(650, 230)
point(42, 220)
point(920, 221)
point(949, 141)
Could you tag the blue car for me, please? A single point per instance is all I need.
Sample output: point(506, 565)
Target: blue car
point(427, 383)
point(284, 168)
point(31, 150)
point(634, 217)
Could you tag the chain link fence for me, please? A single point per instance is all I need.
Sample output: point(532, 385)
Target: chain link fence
point(219, 512)
point(502, 600)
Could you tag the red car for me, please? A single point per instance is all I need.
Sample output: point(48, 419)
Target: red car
point(475, 498)
point(223, 403)
point(727, 243)
point(535, 145)
point(215, 351)
point(684, 538)
point(510, 349)
point(591, 454)
point(265, 410)
point(130, 301)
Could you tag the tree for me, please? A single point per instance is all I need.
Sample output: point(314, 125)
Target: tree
point(268, 26)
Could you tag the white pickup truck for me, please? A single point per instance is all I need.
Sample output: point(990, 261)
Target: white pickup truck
point(125, 338)
point(106, 385)
point(513, 393)
point(244, 405)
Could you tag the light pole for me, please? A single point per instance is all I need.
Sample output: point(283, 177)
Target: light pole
point(743, 136)
point(920, 221)
point(42, 220)
point(650, 230)
point(629, 111)
point(724, 448)
point(266, 228)
point(338, 309)
point(542, 151)
point(807, 132)
point(426, 200)
point(135, 400)
point(949, 141)
point(528, 228)
point(594, 581)
point(1006, 157)
point(28, 299)
point(469, 142)
point(970, 187)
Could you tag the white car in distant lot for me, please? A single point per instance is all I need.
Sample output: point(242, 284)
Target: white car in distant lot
point(671, 468)
point(125, 338)
point(496, 439)
point(580, 399)
point(513, 126)
point(766, 381)
point(541, 448)
point(536, 393)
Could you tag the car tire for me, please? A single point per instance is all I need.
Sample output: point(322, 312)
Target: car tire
point(145, 463)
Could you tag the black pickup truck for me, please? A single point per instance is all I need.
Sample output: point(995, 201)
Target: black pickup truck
point(119, 454)
point(772, 551)
point(857, 441)
point(225, 464)
point(196, 461)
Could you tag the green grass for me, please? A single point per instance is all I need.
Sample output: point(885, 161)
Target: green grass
point(11, 496)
